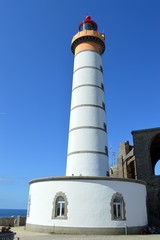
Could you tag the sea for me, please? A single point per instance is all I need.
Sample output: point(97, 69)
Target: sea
point(13, 212)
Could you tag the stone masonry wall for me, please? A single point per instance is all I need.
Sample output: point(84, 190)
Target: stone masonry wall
point(21, 221)
point(8, 221)
point(144, 165)
point(125, 167)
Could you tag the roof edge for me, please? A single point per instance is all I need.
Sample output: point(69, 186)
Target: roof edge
point(146, 130)
point(72, 178)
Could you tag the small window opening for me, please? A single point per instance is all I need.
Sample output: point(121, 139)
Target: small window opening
point(106, 150)
point(102, 86)
point(60, 205)
point(104, 126)
point(103, 106)
point(101, 69)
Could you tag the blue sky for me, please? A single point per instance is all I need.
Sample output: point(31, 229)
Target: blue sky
point(36, 67)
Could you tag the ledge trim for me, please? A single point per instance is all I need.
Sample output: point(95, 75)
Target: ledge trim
point(88, 85)
point(89, 127)
point(79, 152)
point(83, 178)
point(84, 230)
point(88, 105)
point(87, 67)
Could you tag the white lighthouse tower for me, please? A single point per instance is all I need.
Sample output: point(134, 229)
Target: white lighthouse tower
point(87, 146)
point(87, 200)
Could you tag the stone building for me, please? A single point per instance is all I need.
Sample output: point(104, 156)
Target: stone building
point(138, 162)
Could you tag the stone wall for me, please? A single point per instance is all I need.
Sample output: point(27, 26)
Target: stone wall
point(139, 162)
point(10, 221)
point(147, 153)
point(21, 221)
point(125, 167)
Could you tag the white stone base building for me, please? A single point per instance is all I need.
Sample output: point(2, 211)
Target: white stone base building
point(87, 205)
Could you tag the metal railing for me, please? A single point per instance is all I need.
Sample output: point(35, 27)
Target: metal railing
point(7, 236)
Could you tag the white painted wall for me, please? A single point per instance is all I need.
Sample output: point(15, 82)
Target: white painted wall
point(87, 95)
point(79, 120)
point(85, 138)
point(80, 164)
point(88, 203)
point(87, 76)
point(87, 58)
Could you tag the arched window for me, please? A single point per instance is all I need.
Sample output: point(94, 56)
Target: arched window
point(117, 207)
point(60, 204)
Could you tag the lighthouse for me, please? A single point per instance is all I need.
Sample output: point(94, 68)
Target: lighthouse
point(87, 200)
point(87, 144)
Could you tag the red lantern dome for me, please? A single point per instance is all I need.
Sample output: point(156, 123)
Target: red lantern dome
point(88, 24)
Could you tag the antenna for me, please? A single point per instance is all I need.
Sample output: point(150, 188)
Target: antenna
point(113, 156)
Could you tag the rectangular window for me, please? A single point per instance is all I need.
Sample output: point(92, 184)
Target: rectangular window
point(62, 209)
point(58, 209)
point(115, 211)
point(119, 211)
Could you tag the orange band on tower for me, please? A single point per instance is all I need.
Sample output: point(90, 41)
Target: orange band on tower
point(88, 46)
point(88, 40)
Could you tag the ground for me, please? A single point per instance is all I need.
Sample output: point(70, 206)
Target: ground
point(26, 235)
